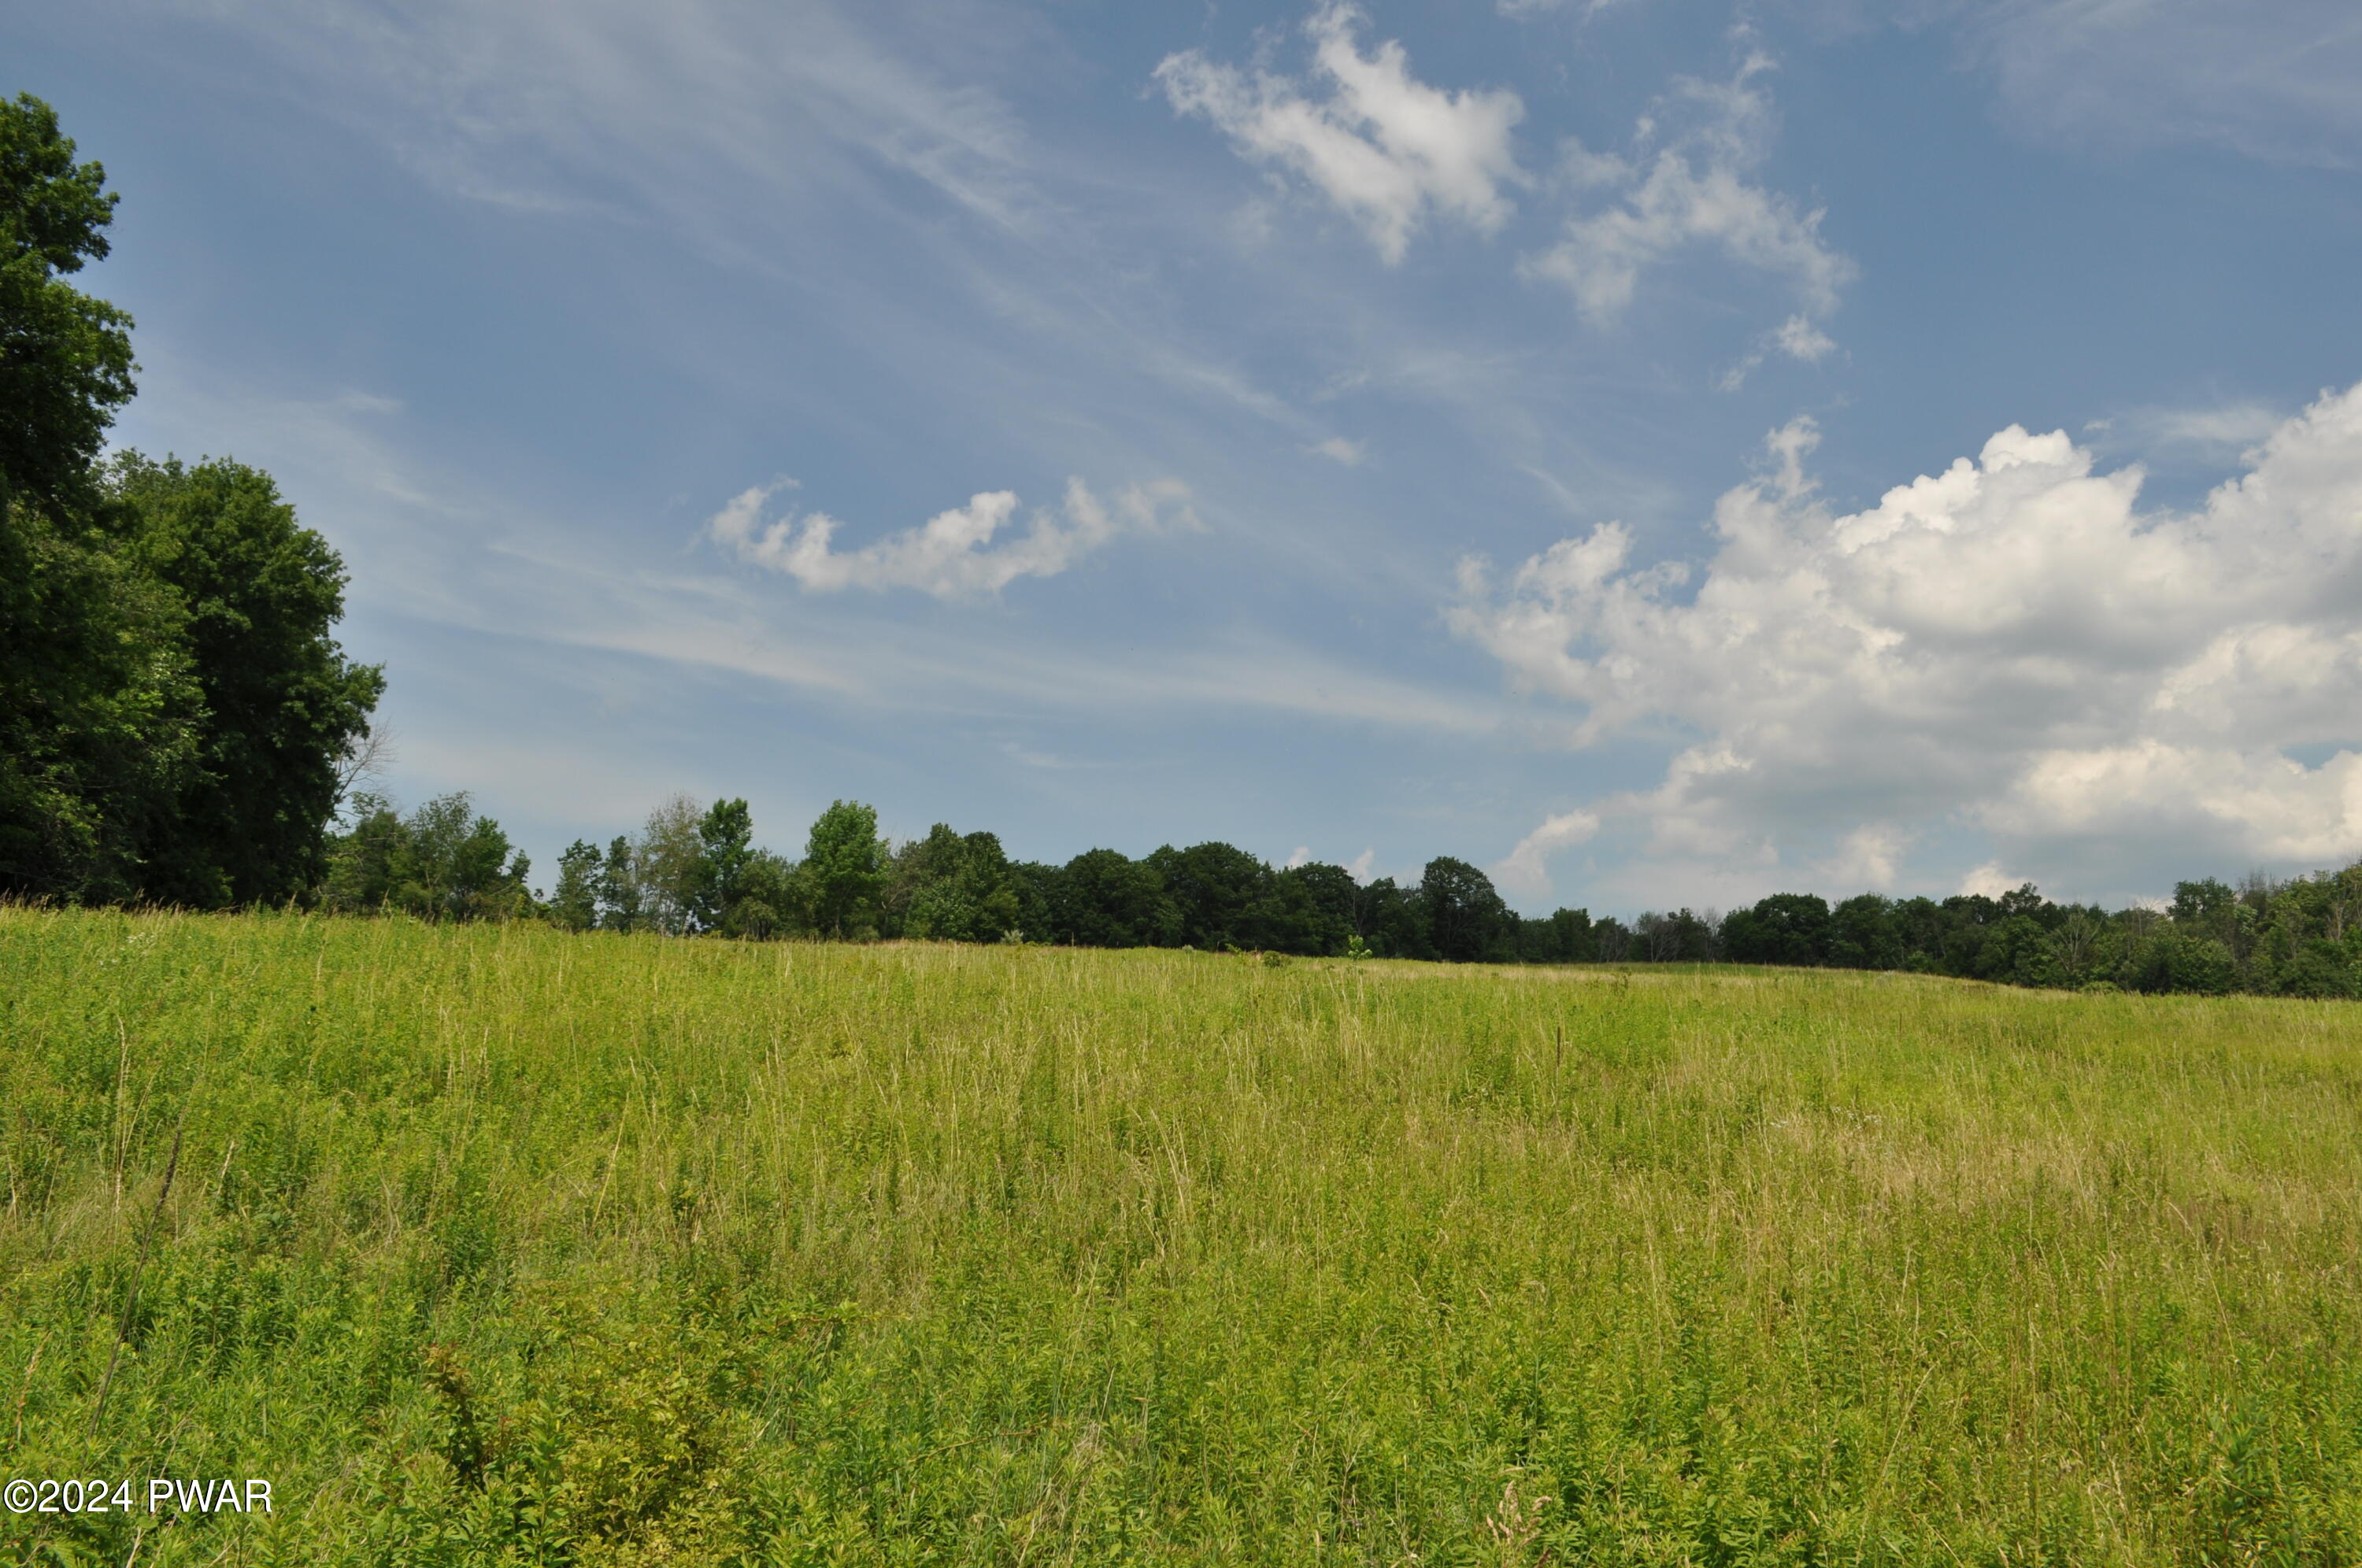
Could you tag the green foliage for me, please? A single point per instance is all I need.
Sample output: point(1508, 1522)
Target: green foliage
point(172, 708)
point(1786, 928)
point(768, 899)
point(725, 838)
point(947, 888)
point(1466, 921)
point(1104, 899)
point(1683, 937)
point(574, 903)
point(1392, 920)
point(490, 1244)
point(669, 860)
point(65, 359)
point(101, 709)
point(2297, 938)
point(1225, 896)
point(281, 701)
point(845, 870)
point(619, 888)
point(442, 862)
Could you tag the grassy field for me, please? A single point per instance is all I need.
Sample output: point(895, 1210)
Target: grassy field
point(498, 1246)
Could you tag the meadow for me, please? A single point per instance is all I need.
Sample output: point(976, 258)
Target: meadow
point(497, 1244)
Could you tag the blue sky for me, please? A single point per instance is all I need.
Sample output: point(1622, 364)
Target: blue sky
point(1664, 452)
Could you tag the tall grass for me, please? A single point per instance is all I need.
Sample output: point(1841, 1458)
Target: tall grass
point(498, 1246)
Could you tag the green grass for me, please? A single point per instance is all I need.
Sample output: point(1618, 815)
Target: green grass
point(495, 1245)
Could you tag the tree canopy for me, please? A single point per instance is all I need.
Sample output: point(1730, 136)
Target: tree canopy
point(172, 703)
point(65, 357)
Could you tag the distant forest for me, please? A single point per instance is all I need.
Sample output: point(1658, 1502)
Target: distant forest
point(695, 871)
point(179, 727)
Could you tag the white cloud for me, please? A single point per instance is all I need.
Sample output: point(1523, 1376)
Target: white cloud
point(2012, 646)
point(1523, 8)
point(2272, 81)
point(1799, 339)
point(1870, 856)
point(953, 555)
point(1527, 868)
point(1337, 449)
point(1694, 186)
point(1989, 882)
point(1388, 149)
point(606, 106)
point(1300, 855)
point(1796, 337)
point(2216, 433)
point(1362, 866)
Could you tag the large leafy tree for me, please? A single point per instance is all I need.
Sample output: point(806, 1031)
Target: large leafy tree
point(1786, 928)
point(65, 357)
point(952, 887)
point(281, 702)
point(744, 891)
point(670, 860)
point(619, 887)
point(97, 699)
point(1218, 889)
point(574, 906)
point(172, 707)
point(845, 870)
point(1466, 918)
point(1109, 900)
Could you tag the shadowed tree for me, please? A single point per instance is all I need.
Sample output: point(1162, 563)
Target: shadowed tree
point(97, 701)
point(1109, 900)
point(281, 702)
point(950, 888)
point(1786, 928)
point(1316, 904)
point(1466, 921)
point(1216, 887)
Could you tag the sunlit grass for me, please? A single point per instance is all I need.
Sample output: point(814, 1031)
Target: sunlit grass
point(496, 1245)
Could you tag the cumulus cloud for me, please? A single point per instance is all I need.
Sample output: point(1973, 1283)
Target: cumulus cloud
point(954, 553)
point(1527, 868)
point(1384, 147)
point(1689, 180)
point(1337, 449)
point(1989, 882)
point(2013, 646)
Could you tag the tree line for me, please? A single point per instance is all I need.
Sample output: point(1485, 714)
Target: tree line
point(695, 870)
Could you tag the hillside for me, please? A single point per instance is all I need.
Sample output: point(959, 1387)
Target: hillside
point(495, 1243)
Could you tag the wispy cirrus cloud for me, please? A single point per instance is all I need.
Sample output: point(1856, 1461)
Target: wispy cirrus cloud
point(1388, 149)
point(2275, 82)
